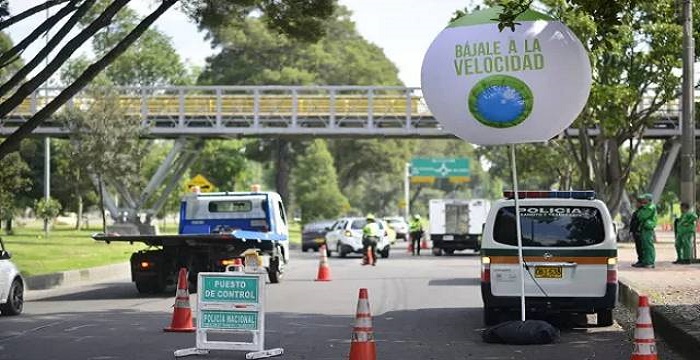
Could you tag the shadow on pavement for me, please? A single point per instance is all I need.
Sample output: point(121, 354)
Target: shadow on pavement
point(455, 282)
point(107, 291)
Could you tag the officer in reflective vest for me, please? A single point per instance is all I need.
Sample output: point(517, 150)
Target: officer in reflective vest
point(370, 238)
point(416, 230)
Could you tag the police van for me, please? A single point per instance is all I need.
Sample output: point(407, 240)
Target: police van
point(569, 252)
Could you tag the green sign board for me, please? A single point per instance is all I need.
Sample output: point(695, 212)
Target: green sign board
point(230, 289)
point(453, 168)
point(230, 320)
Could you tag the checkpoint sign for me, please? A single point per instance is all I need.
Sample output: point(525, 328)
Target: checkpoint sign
point(230, 289)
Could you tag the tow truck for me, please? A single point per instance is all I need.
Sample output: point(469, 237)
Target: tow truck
point(216, 229)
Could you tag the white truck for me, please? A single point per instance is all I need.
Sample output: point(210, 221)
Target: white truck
point(457, 224)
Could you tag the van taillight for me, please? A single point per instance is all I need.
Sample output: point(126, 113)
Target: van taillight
point(612, 270)
point(485, 269)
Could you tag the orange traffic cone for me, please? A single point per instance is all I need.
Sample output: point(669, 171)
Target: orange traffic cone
point(423, 243)
point(644, 343)
point(182, 316)
point(362, 346)
point(324, 271)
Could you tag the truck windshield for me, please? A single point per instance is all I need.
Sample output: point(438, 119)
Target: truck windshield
point(556, 226)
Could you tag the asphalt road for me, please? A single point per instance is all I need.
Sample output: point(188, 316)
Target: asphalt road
point(423, 308)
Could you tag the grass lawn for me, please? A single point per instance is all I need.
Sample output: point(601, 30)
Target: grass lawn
point(69, 249)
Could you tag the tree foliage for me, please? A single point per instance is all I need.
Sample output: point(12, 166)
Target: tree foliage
point(301, 18)
point(316, 184)
point(13, 180)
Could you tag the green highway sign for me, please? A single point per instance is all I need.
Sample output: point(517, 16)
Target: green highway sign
point(456, 169)
point(231, 320)
point(230, 289)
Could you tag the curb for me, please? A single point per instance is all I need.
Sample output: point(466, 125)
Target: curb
point(682, 338)
point(75, 277)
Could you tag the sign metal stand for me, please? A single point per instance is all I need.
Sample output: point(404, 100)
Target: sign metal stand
point(231, 303)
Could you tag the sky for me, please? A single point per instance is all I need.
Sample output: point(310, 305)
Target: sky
point(403, 28)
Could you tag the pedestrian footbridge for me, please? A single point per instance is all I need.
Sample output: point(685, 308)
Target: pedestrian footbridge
point(290, 111)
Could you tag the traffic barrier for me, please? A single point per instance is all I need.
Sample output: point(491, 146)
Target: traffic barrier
point(324, 271)
point(644, 343)
point(182, 315)
point(362, 346)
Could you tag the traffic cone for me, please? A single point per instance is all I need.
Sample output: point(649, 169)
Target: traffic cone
point(182, 316)
point(324, 271)
point(644, 343)
point(362, 346)
point(423, 243)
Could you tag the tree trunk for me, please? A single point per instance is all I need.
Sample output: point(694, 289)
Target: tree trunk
point(283, 162)
point(79, 220)
point(102, 202)
point(8, 226)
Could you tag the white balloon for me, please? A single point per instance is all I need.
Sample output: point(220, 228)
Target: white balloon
point(492, 87)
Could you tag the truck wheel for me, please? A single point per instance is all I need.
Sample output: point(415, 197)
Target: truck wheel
point(15, 300)
point(274, 271)
point(384, 253)
point(605, 317)
point(437, 251)
point(449, 251)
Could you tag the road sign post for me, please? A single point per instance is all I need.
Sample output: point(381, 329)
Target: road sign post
point(231, 303)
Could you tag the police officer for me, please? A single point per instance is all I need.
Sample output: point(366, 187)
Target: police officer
point(646, 217)
point(416, 231)
point(370, 238)
point(685, 234)
point(635, 231)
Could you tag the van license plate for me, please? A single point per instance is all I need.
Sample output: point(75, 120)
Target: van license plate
point(548, 272)
point(448, 237)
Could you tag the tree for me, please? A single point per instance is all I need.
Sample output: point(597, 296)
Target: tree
point(13, 179)
point(316, 184)
point(103, 129)
point(254, 55)
point(223, 163)
point(47, 210)
point(300, 18)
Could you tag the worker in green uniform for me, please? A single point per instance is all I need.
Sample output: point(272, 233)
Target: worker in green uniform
point(370, 238)
point(646, 217)
point(415, 228)
point(685, 234)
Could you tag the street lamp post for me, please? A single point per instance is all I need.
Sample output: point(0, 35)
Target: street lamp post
point(688, 107)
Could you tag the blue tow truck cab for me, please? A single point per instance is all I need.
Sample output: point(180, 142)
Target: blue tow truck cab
point(214, 230)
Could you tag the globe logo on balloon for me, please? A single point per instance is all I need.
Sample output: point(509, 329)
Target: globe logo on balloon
point(500, 101)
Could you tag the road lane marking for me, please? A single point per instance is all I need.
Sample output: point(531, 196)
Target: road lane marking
point(78, 327)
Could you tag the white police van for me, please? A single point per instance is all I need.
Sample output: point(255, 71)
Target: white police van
point(569, 251)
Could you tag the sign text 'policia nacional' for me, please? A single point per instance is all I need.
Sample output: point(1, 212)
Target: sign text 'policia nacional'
point(497, 57)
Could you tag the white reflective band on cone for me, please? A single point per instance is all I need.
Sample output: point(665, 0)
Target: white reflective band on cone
point(644, 349)
point(362, 307)
point(644, 317)
point(361, 336)
point(364, 322)
point(182, 293)
point(182, 303)
point(644, 333)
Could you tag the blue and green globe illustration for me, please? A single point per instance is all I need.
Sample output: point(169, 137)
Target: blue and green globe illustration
point(500, 101)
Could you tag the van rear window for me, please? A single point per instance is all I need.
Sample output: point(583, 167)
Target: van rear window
point(544, 226)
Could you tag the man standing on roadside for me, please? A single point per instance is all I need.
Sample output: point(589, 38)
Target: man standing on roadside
point(635, 231)
point(416, 230)
point(685, 234)
point(646, 216)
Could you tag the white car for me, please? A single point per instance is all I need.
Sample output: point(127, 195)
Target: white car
point(399, 225)
point(570, 256)
point(11, 285)
point(345, 237)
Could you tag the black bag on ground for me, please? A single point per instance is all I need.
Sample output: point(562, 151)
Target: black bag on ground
point(529, 332)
